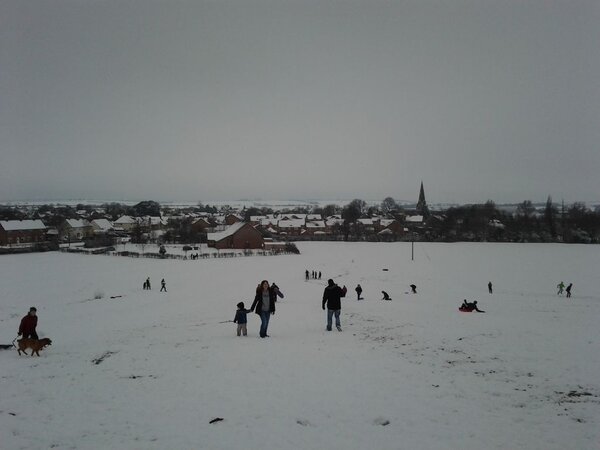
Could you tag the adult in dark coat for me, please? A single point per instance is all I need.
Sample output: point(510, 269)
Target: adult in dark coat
point(332, 298)
point(28, 324)
point(264, 305)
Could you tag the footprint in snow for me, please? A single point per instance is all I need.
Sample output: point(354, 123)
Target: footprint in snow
point(381, 421)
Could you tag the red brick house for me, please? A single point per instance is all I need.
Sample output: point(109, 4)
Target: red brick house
point(230, 219)
point(21, 231)
point(240, 235)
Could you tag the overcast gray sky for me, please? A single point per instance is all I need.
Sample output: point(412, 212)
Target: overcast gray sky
point(283, 99)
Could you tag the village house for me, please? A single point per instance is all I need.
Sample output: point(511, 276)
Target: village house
point(76, 229)
point(125, 223)
point(201, 225)
point(101, 226)
point(293, 227)
point(240, 235)
point(316, 227)
point(22, 231)
point(230, 219)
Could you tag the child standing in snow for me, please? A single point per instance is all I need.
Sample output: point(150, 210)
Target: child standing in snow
point(560, 287)
point(569, 290)
point(241, 319)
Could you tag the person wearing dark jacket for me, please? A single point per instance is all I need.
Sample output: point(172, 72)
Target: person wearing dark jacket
point(358, 290)
point(241, 319)
point(332, 298)
point(264, 305)
point(28, 324)
point(569, 287)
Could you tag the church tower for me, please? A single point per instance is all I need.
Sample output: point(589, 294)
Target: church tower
point(422, 207)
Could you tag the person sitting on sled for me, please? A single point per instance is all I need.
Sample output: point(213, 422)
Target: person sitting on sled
point(469, 307)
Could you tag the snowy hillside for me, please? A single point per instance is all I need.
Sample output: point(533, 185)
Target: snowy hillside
point(150, 370)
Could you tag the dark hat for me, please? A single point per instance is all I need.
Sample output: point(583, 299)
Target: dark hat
point(33, 308)
point(330, 282)
point(240, 305)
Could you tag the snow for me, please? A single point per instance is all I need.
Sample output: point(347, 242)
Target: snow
point(229, 231)
point(22, 225)
point(78, 223)
point(149, 370)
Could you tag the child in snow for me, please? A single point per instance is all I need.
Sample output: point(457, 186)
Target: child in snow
point(358, 290)
point(490, 290)
point(414, 288)
point(163, 286)
point(469, 307)
point(385, 296)
point(560, 287)
point(241, 319)
point(569, 290)
point(277, 291)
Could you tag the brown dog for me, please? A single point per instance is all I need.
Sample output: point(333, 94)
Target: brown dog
point(34, 344)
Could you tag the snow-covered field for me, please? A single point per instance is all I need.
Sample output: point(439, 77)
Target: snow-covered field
point(150, 370)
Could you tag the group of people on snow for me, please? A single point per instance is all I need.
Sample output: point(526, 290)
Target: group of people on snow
point(561, 287)
point(148, 287)
point(312, 274)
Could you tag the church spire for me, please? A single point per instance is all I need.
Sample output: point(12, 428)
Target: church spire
point(422, 207)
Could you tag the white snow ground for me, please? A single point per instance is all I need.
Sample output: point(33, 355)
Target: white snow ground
point(149, 370)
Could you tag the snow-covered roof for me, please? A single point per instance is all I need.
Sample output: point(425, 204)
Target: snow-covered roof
point(386, 222)
point(333, 220)
point(291, 223)
point(78, 223)
point(293, 216)
point(315, 224)
point(314, 217)
point(229, 231)
point(415, 219)
point(151, 220)
point(21, 225)
point(102, 224)
point(366, 221)
point(125, 220)
point(267, 222)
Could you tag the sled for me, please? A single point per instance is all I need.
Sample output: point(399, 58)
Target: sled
point(8, 347)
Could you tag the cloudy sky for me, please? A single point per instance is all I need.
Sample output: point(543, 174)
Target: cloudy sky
point(297, 99)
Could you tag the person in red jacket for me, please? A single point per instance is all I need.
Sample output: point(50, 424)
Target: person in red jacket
point(28, 324)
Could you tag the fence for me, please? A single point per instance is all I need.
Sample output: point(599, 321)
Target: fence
point(215, 255)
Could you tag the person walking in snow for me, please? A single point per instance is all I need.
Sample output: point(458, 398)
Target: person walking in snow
point(319, 275)
point(358, 290)
point(28, 324)
point(264, 305)
point(560, 287)
point(569, 290)
point(307, 275)
point(241, 319)
point(163, 285)
point(490, 287)
point(386, 296)
point(332, 298)
point(413, 288)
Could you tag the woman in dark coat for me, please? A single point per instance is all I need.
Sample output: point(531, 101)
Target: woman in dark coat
point(28, 324)
point(264, 305)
